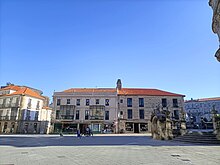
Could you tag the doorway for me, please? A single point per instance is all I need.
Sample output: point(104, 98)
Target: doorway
point(136, 127)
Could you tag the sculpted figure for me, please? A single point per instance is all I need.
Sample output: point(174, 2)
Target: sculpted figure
point(215, 4)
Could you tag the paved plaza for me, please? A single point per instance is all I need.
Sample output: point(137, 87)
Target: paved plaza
point(101, 150)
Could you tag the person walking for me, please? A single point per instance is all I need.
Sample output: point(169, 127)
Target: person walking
point(78, 134)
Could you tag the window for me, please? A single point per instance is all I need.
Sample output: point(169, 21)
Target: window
point(28, 117)
point(35, 127)
point(175, 103)
point(129, 102)
point(121, 101)
point(176, 114)
point(78, 102)
point(7, 101)
point(38, 105)
point(57, 114)
point(141, 114)
point(36, 115)
point(164, 102)
point(141, 102)
point(121, 112)
point(106, 115)
point(129, 113)
point(106, 102)
point(67, 101)
point(77, 115)
point(86, 114)
point(87, 102)
point(14, 100)
point(58, 101)
point(97, 101)
point(29, 103)
point(68, 112)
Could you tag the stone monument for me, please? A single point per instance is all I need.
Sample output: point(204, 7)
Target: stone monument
point(215, 4)
point(163, 127)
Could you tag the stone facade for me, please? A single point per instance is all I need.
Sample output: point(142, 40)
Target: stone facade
point(129, 109)
point(141, 114)
point(215, 4)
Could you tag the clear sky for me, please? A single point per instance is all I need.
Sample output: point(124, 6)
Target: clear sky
point(60, 44)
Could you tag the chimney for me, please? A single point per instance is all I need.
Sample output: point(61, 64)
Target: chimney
point(119, 84)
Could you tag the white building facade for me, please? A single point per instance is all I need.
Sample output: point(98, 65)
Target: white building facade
point(21, 110)
point(200, 110)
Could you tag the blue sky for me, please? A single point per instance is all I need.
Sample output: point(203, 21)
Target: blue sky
point(60, 44)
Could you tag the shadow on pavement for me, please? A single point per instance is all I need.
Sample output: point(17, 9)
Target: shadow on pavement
point(44, 141)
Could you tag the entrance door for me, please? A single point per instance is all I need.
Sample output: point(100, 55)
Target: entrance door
point(136, 127)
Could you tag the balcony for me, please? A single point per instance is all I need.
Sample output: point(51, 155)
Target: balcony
point(96, 118)
point(9, 118)
point(67, 117)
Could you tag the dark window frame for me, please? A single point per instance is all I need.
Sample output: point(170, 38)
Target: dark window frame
point(67, 101)
point(97, 101)
point(77, 114)
point(86, 114)
point(129, 114)
point(87, 102)
point(107, 102)
point(106, 115)
point(141, 102)
point(141, 113)
point(129, 102)
point(58, 101)
point(77, 102)
point(175, 103)
point(164, 102)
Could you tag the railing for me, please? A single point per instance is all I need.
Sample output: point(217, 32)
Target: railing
point(96, 118)
point(68, 117)
point(8, 117)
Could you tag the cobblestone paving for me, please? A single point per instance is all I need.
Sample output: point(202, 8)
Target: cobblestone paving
point(101, 150)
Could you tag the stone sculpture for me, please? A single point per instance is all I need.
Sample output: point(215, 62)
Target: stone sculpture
point(215, 4)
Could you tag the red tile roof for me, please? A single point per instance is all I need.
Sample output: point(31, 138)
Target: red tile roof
point(204, 99)
point(11, 87)
point(22, 91)
point(146, 92)
point(90, 90)
point(124, 91)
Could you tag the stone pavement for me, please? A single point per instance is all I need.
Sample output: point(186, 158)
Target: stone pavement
point(102, 149)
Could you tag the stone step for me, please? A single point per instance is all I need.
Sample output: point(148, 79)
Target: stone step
point(198, 137)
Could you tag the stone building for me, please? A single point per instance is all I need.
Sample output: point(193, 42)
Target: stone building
point(22, 110)
point(215, 4)
point(135, 106)
point(200, 110)
point(78, 108)
point(111, 109)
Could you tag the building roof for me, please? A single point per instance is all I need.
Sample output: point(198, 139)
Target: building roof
point(22, 91)
point(146, 92)
point(90, 90)
point(11, 87)
point(124, 91)
point(204, 99)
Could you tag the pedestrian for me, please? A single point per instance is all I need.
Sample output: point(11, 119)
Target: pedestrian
point(61, 134)
point(87, 131)
point(78, 134)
